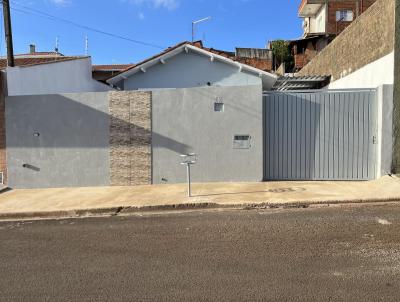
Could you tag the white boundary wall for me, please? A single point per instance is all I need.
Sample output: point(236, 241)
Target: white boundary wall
point(377, 73)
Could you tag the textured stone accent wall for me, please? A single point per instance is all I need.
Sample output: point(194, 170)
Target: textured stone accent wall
point(130, 138)
point(368, 38)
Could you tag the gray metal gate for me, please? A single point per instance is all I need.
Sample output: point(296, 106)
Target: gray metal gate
point(329, 135)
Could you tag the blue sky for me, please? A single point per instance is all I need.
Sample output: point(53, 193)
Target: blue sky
point(243, 23)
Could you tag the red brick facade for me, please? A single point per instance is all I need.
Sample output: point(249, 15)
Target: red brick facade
point(304, 50)
point(356, 6)
point(262, 64)
point(368, 39)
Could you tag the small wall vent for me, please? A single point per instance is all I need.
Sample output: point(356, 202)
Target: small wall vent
point(219, 107)
point(242, 142)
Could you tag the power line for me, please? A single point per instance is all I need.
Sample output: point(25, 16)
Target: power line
point(32, 11)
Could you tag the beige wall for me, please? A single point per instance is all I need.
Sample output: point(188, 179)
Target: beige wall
point(368, 38)
point(130, 138)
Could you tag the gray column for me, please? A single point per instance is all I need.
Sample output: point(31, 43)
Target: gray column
point(396, 96)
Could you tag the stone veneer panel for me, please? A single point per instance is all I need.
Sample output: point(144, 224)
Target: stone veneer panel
point(368, 38)
point(130, 138)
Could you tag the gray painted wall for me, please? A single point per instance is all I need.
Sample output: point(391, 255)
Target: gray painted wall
point(62, 77)
point(385, 129)
point(183, 121)
point(72, 148)
point(190, 70)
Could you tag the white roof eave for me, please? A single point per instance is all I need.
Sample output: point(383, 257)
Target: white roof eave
point(266, 76)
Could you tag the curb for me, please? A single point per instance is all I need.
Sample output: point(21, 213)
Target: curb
point(61, 214)
point(126, 210)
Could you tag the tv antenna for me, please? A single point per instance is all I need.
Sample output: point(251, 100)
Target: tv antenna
point(194, 23)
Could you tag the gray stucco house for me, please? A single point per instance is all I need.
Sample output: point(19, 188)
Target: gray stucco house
point(63, 128)
point(186, 66)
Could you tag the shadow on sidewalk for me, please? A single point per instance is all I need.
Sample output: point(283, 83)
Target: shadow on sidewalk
point(277, 191)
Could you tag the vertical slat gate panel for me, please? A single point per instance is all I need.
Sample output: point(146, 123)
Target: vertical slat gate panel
point(275, 160)
point(303, 134)
point(346, 138)
point(356, 161)
point(313, 135)
point(322, 135)
point(266, 133)
point(281, 125)
point(298, 138)
point(307, 128)
point(290, 138)
point(341, 134)
point(322, 138)
point(285, 138)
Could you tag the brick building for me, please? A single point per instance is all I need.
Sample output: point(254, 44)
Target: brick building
point(260, 58)
point(323, 20)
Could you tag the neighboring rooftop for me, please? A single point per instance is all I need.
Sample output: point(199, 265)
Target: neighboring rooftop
point(36, 61)
point(34, 58)
point(112, 67)
point(103, 72)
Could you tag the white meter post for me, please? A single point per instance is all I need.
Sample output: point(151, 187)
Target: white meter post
point(188, 160)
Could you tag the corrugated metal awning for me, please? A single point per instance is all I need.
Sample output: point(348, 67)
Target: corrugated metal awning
point(301, 82)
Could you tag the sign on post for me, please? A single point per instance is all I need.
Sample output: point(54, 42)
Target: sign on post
point(188, 160)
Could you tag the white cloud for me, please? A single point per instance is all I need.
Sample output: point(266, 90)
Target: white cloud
point(141, 16)
point(60, 2)
point(167, 4)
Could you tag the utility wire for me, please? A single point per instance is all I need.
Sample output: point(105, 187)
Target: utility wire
point(32, 11)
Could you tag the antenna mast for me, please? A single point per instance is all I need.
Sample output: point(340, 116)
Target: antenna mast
point(194, 24)
point(86, 45)
point(56, 49)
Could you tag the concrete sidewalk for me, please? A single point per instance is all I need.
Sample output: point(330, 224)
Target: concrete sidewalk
point(109, 200)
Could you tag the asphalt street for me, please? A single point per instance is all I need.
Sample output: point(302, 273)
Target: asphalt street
point(320, 254)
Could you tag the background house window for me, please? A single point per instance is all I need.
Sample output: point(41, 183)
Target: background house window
point(344, 15)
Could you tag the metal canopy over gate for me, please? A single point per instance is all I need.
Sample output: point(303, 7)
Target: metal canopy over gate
point(320, 135)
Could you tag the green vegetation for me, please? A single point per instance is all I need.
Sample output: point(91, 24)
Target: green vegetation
point(282, 54)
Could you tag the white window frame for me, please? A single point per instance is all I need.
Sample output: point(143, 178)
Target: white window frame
point(345, 15)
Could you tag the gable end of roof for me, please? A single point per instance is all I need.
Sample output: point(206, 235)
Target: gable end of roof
point(187, 47)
